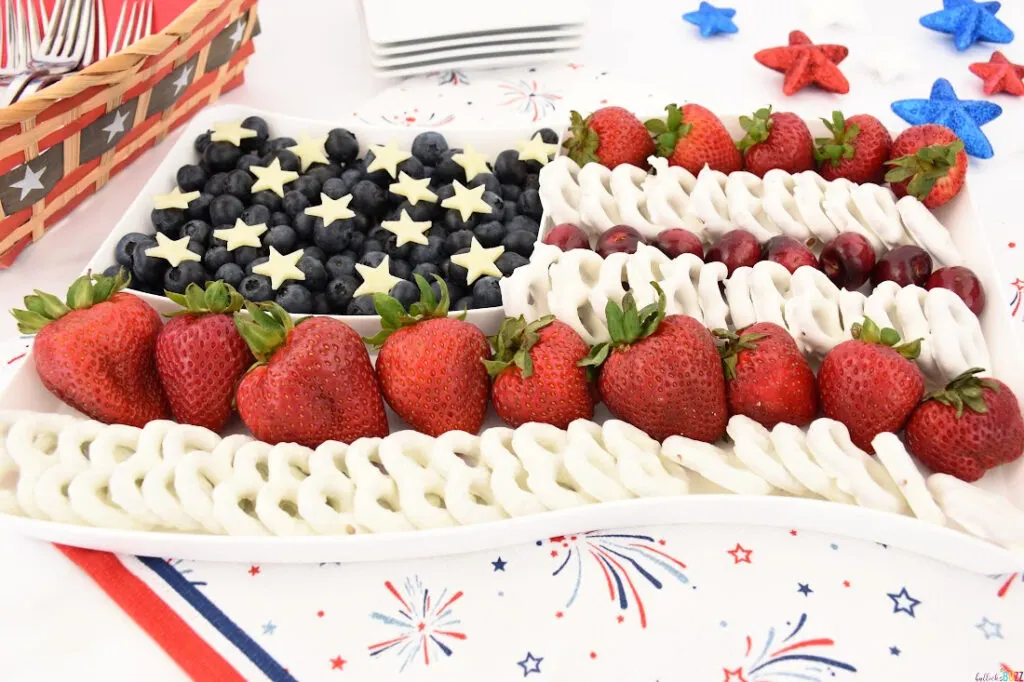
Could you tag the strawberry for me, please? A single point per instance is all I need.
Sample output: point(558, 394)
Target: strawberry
point(778, 140)
point(928, 162)
point(429, 364)
point(870, 383)
point(857, 150)
point(966, 443)
point(661, 374)
point(767, 377)
point(536, 373)
point(693, 137)
point(610, 136)
point(201, 356)
point(95, 352)
point(313, 381)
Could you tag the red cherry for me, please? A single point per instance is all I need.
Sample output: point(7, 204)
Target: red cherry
point(848, 260)
point(789, 252)
point(963, 283)
point(905, 265)
point(736, 249)
point(567, 237)
point(619, 239)
point(677, 241)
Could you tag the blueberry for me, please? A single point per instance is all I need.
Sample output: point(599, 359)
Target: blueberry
point(294, 202)
point(464, 303)
point(380, 234)
point(372, 258)
point(188, 272)
point(437, 230)
point(406, 293)
point(202, 142)
point(496, 203)
point(419, 212)
point(341, 146)
point(509, 193)
point(314, 252)
point(276, 218)
point(486, 293)
point(200, 207)
point(333, 238)
point(532, 181)
point(529, 204)
point(308, 186)
point(316, 274)
point(256, 288)
point(198, 231)
point(455, 290)
point(239, 184)
point(548, 135)
point(304, 226)
point(350, 176)
point(115, 269)
point(191, 178)
point(280, 143)
point(428, 171)
point(509, 169)
point(356, 242)
point(216, 184)
point(489, 182)
point(341, 265)
point(246, 254)
point(215, 257)
point(266, 198)
point(247, 161)
point(295, 298)
point(257, 214)
point(361, 305)
point(262, 132)
point(379, 177)
point(168, 221)
point(126, 247)
point(456, 272)
point(146, 270)
point(400, 268)
point(431, 252)
point(447, 170)
point(392, 249)
point(510, 211)
point(221, 156)
point(254, 263)
point(429, 147)
point(322, 173)
point(321, 306)
point(230, 273)
point(427, 271)
point(411, 167)
point(226, 209)
point(335, 188)
point(509, 261)
point(521, 222)
point(369, 199)
point(519, 241)
point(453, 222)
point(282, 238)
point(444, 192)
point(490, 233)
point(339, 292)
point(288, 160)
point(458, 240)
point(196, 248)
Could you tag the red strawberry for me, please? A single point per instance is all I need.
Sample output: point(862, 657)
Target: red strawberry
point(693, 137)
point(778, 140)
point(537, 377)
point(201, 356)
point(96, 352)
point(610, 136)
point(429, 364)
point(661, 374)
point(857, 150)
point(767, 378)
point(966, 443)
point(314, 381)
point(870, 383)
point(928, 162)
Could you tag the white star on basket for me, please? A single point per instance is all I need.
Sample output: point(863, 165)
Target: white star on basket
point(280, 268)
point(835, 13)
point(310, 150)
point(116, 126)
point(378, 280)
point(472, 161)
point(174, 199)
point(332, 209)
point(182, 81)
point(242, 234)
point(30, 182)
point(272, 177)
point(387, 157)
point(479, 261)
point(467, 201)
point(232, 132)
point(413, 190)
point(174, 251)
point(536, 149)
point(237, 35)
point(407, 230)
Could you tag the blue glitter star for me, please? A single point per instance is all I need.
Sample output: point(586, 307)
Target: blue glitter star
point(804, 589)
point(895, 650)
point(963, 116)
point(712, 20)
point(902, 601)
point(499, 564)
point(530, 664)
point(968, 21)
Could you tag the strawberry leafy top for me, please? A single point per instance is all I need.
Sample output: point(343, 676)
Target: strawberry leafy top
point(265, 328)
point(734, 343)
point(840, 146)
point(582, 145)
point(757, 128)
point(512, 344)
point(627, 325)
point(965, 390)
point(218, 298)
point(924, 167)
point(88, 290)
point(869, 332)
point(668, 132)
point(393, 315)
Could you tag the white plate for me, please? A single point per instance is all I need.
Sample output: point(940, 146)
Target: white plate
point(467, 54)
point(444, 43)
point(490, 60)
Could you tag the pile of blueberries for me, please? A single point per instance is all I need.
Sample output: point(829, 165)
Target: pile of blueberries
point(331, 252)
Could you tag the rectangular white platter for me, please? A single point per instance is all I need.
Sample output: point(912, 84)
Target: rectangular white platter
point(943, 544)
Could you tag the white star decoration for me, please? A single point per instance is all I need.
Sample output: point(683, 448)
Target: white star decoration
point(181, 82)
point(174, 199)
point(387, 157)
point(310, 150)
point(332, 209)
point(30, 182)
point(536, 149)
point(115, 127)
point(174, 251)
point(241, 234)
point(990, 629)
point(472, 161)
point(413, 190)
point(280, 268)
point(479, 261)
point(378, 280)
point(838, 13)
point(407, 230)
point(236, 36)
point(232, 132)
point(272, 177)
point(467, 201)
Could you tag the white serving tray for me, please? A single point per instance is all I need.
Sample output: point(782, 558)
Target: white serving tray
point(443, 43)
point(489, 60)
point(466, 54)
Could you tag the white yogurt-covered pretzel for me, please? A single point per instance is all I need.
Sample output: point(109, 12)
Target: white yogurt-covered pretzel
point(589, 462)
point(890, 451)
point(32, 443)
point(277, 504)
point(407, 457)
point(89, 491)
point(956, 338)
point(126, 480)
point(752, 445)
point(197, 474)
point(927, 232)
point(982, 513)
point(8, 467)
point(234, 500)
point(326, 498)
point(508, 477)
point(716, 464)
point(855, 472)
point(51, 489)
point(560, 190)
point(375, 502)
point(158, 484)
point(539, 447)
point(638, 462)
point(572, 279)
point(790, 444)
point(457, 456)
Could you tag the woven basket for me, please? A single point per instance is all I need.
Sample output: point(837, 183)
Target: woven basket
point(63, 143)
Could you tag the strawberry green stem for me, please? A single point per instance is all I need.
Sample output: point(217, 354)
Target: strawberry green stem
point(218, 298)
point(668, 132)
point(734, 343)
point(869, 332)
point(757, 128)
point(840, 146)
point(924, 168)
point(627, 325)
point(513, 342)
point(265, 328)
point(393, 315)
point(965, 390)
point(88, 290)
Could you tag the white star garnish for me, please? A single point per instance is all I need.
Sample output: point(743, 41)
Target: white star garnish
point(30, 182)
point(174, 199)
point(467, 201)
point(835, 13)
point(237, 34)
point(413, 190)
point(115, 127)
point(387, 157)
point(280, 268)
point(174, 251)
point(181, 82)
point(332, 209)
point(536, 149)
point(242, 234)
point(479, 261)
point(232, 132)
point(310, 150)
point(378, 280)
point(472, 161)
point(272, 177)
point(407, 230)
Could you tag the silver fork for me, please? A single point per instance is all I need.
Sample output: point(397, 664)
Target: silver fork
point(137, 27)
point(62, 49)
point(22, 31)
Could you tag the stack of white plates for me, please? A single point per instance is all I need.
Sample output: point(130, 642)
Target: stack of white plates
point(409, 37)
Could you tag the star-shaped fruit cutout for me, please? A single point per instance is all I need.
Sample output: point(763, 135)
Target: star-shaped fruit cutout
point(968, 22)
point(387, 157)
point(412, 189)
point(174, 251)
point(479, 261)
point(467, 201)
point(378, 280)
point(281, 268)
point(332, 209)
point(964, 117)
point(407, 230)
point(472, 161)
point(1000, 75)
point(272, 177)
point(711, 20)
point(536, 149)
point(805, 63)
point(232, 132)
point(174, 199)
point(310, 150)
point(242, 234)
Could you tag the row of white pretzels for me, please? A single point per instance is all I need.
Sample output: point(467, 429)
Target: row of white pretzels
point(801, 205)
point(184, 478)
point(575, 286)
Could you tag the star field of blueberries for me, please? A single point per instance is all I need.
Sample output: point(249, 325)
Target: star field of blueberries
point(224, 192)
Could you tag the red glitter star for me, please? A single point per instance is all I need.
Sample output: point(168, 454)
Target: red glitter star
point(805, 63)
point(338, 663)
point(793, 533)
point(254, 570)
point(738, 551)
point(1000, 75)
